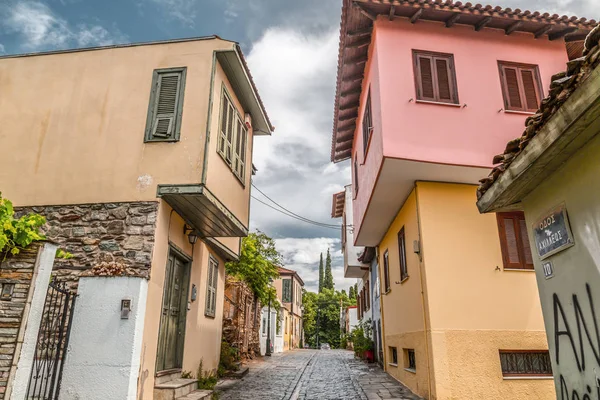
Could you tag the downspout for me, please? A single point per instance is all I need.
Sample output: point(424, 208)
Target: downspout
point(209, 118)
point(423, 292)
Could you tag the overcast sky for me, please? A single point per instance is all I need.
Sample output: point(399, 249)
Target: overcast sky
point(291, 46)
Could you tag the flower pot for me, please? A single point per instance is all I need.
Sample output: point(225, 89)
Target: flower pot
point(369, 356)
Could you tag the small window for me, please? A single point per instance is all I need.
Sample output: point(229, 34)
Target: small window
point(435, 77)
point(394, 355)
point(521, 86)
point(286, 325)
point(264, 326)
point(386, 271)
point(514, 242)
point(367, 296)
point(211, 287)
point(287, 291)
point(402, 255)
point(525, 363)
point(163, 123)
point(233, 137)
point(367, 123)
point(410, 361)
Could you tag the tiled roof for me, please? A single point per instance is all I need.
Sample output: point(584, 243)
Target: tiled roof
point(285, 271)
point(355, 38)
point(562, 87)
point(337, 204)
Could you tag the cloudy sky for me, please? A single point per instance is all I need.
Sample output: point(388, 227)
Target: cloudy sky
point(291, 46)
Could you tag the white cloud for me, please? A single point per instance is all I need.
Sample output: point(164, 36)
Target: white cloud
point(40, 28)
point(180, 10)
point(2, 49)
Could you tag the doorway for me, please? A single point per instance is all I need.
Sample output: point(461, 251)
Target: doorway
point(171, 333)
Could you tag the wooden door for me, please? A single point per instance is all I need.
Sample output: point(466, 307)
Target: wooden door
point(173, 313)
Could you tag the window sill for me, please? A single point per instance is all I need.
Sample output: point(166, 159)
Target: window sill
point(519, 112)
point(393, 365)
point(439, 103)
point(146, 140)
point(519, 269)
point(387, 292)
point(411, 370)
point(404, 280)
point(527, 377)
point(209, 316)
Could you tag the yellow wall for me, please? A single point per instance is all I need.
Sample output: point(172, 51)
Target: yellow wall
point(402, 309)
point(475, 310)
point(203, 334)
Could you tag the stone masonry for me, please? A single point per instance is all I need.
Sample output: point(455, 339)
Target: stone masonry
point(16, 271)
point(100, 234)
point(241, 318)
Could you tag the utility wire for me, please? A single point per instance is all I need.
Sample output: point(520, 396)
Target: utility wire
point(299, 219)
point(291, 213)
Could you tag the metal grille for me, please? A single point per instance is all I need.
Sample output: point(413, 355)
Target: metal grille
point(52, 342)
point(525, 363)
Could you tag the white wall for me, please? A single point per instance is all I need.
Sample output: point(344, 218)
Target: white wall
point(351, 252)
point(103, 358)
point(352, 318)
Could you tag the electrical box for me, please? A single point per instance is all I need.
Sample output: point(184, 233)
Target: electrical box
point(125, 308)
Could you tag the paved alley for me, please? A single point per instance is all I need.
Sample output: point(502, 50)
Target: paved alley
point(314, 375)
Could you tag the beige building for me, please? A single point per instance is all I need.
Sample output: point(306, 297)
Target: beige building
point(551, 174)
point(289, 287)
point(132, 152)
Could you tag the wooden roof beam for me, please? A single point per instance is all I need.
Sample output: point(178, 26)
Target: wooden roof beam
point(452, 20)
point(513, 27)
point(364, 11)
point(392, 12)
point(349, 106)
point(360, 32)
point(415, 17)
point(361, 59)
point(353, 78)
point(350, 117)
point(350, 92)
point(360, 43)
point(558, 35)
point(541, 32)
point(483, 23)
point(346, 146)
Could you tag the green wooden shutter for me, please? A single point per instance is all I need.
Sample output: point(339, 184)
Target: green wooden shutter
point(211, 300)
point(214, 287)
point(166, 105)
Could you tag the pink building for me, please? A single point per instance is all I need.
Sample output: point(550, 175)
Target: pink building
point(427, 93)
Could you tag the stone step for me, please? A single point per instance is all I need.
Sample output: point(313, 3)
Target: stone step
point(197, 395)
point(239, 374)
point(167, 377)
point(174, 389)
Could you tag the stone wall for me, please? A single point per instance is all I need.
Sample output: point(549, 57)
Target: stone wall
point(241, 318)
point(102, 234)
point(16, 273)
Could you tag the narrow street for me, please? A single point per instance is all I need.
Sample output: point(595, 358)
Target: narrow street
point(315, 375)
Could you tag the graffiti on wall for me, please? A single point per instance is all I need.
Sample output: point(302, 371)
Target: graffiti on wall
point(577, 345)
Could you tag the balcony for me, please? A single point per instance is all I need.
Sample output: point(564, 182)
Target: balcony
point(202, 210)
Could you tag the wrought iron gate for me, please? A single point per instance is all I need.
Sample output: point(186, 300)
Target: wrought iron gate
point(52, 342)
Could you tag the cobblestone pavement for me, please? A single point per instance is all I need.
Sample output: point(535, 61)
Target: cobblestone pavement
point(314, 375)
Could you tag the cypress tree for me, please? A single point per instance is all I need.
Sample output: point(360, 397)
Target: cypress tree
point(328, 279)
point(321, 274)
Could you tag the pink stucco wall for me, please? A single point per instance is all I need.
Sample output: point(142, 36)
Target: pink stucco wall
point(468, 136)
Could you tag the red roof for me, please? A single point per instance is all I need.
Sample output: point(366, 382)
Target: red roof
point(355, 38)
point(337, 205)
point(285, 271)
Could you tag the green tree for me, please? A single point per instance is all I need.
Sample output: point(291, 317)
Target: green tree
point(322, 316)
point(258, 265)
point(328, 279)
point(321, 274)
point(352, 294)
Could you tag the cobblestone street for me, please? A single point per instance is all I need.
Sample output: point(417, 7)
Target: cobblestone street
point(314, 375)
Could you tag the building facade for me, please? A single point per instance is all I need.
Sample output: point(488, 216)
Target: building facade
point(426, 93)
point(289, 288)
point(552, 177)
point(132, 153)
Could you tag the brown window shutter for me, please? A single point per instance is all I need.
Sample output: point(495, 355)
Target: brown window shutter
point(514, 242)
point(529, 88)
point(513, 94)
point(426, 83)
point(442, 67)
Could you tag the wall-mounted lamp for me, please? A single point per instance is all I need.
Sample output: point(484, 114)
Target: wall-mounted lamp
point(191, 234)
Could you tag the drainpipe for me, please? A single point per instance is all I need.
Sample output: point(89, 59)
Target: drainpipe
point(423, 292)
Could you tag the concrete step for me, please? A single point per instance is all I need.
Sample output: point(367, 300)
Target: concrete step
point(167, 377)
point(197, 395)
point(174, 389)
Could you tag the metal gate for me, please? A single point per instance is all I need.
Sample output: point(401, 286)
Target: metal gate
point(52, 342)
